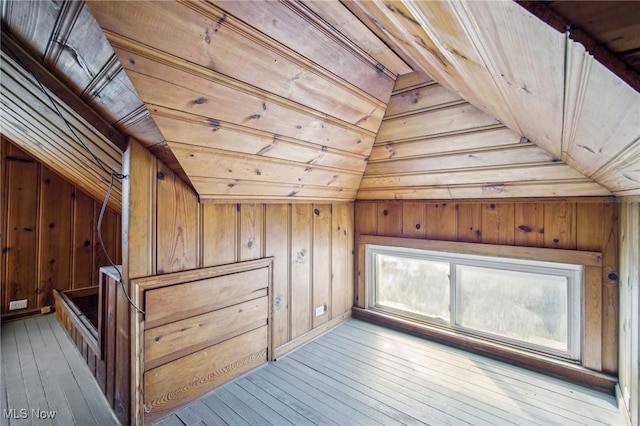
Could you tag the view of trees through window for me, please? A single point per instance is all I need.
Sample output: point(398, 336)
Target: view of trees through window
point(527, 305)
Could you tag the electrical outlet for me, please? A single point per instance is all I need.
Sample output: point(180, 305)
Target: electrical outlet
point(321, 310)
point(17, 304)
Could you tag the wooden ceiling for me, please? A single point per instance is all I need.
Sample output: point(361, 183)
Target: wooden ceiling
point(288, 101)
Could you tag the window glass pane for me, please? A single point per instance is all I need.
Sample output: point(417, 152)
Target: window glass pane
point(413, 285)
point(518, 305)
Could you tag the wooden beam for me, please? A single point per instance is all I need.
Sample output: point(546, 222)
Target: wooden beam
point(13, 48)
point(599, 52)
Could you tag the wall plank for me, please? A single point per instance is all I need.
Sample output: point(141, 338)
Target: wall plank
point(529, 222)
point(321, 263)
point(54, 236)
point(22, 225)
point(178, 221)
point(219, 240)
point(560, 225)
point(82, 268)
point(442, 222)
point(277, 227)
point(470, 223)
point(498, 223)
point(390, 219)
point(413, 220)
point(301, 269)
point(251, 226)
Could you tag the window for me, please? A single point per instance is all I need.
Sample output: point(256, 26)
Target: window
point(530, 304)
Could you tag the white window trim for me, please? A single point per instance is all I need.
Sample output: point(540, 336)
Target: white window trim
point(573, 272)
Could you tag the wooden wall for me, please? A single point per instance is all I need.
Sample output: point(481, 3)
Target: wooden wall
point(630, 306)
point(49, 238)
point(170, 231)
point(588, 224)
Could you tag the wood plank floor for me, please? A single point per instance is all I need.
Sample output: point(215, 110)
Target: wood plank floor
point(45, 380)
point(359, 373)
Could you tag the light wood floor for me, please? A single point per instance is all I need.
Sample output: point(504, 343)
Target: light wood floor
point(359, 373)
point(43, 373)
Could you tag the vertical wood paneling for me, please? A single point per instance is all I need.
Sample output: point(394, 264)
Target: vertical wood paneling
point(341, 259)
point(592, 357)
point(219, 224)
point(560, 225)
point(108, 238)
point(50, 241)
point(366, 223)
point(366, 218)
point(55, 237)
point(470, 223)
point(139, 205)
point(596, 230)
point(442, 221)
point(178, 217)
point(390, 219)
point(251, 226)
point(277, 222)
point(22, 224)
point(83, 249)
point(413, 220)
point(321, 262)
point(300, 269)
point(529, 223)
point(498, 223)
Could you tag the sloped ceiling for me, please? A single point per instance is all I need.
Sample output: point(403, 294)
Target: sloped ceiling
point(287, 100)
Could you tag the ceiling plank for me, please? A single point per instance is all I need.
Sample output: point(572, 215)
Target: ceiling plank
point(602, 114)
point(11, 48)
point(284, 22)
point(202, 132)
point(602, 54)
point(205, 35)
point(341, 19)
point(196, 90)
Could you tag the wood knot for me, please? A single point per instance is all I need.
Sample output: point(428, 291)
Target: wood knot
point(200, 101)
point(418, 226)
point(524, 228)
point(160, 175)
point(316, 212)
point(612, 276)
point(385, 212)
point(492, 206)
point(556, 240)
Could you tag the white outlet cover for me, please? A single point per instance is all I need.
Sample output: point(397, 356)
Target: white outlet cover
point(17, 304)
point(319, 310)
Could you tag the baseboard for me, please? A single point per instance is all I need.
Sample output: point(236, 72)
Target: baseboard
point(309, 335)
